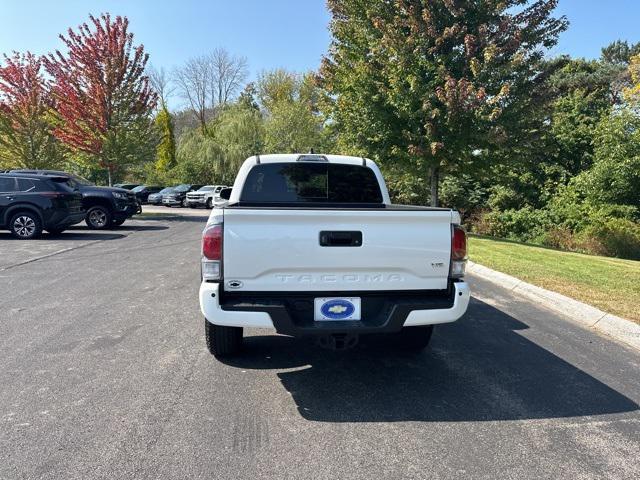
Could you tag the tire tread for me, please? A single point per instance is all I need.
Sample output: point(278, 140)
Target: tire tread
point(415, 338)
point(223, 341)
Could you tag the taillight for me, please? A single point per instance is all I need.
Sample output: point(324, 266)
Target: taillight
point(458, 243)
point(458, 251)
point(212, 242)
point(212, 252)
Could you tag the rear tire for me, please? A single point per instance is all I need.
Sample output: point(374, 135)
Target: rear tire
point(98, 218)
point(415, 338)
point(222, 341)
point(25, 225)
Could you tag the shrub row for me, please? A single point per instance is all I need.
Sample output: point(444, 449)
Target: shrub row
point(609, 230)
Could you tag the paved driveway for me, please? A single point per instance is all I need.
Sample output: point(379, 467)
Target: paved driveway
point(104, 374)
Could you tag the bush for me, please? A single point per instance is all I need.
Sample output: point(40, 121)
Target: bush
point(524, 225)
point(504, 198)
point(561, 237)
point(613, 237)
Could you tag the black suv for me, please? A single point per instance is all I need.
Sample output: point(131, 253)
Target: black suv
point(105, 206)
point(32, 203)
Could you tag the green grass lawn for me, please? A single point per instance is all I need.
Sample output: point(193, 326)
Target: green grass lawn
point(611, 284)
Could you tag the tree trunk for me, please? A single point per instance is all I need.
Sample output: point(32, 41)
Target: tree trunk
point(434, 174)
point(109, 174)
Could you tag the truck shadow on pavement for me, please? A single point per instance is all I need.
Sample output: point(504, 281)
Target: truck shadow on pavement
point(477, 369)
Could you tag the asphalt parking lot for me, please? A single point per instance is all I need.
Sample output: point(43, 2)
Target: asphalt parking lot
point(104, 374)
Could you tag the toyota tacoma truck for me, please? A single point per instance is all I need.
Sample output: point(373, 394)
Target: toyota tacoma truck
point(310, 245)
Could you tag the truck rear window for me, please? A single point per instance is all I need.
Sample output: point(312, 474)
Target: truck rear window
point(311, 183)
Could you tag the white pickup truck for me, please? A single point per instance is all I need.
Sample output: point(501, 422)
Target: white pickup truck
point(310, 245)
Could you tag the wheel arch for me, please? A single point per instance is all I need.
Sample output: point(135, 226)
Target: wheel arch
point(19, 207)
point(91, 202)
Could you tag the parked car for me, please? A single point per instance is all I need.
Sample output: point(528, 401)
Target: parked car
point(106, 207)
point(204, 196)
point(31, 203)
point(222, 198)
point(310, 245)
point(178, 198)
point(156, 198)
point(143, 191)
point(126, 186)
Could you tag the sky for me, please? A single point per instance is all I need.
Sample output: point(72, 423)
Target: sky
point(270, 33)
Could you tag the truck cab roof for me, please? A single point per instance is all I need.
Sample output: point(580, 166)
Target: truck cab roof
point(309, 157)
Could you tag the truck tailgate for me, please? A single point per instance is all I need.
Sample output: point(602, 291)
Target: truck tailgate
point(280, 250)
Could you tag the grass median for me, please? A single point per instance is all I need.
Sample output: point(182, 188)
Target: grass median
point(611, 284)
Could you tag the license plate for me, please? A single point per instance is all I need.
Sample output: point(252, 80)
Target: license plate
point(336, 309)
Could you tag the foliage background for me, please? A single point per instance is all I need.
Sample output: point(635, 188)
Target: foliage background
point(528, 147)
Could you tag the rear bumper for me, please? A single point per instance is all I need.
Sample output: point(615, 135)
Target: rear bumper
point(384, 314)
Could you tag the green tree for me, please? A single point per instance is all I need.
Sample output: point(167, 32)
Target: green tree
point(619, 52)
point(293, 122)
point(166, 149)
point(556, 142)
point(199, 158)
point(615, 175)
point(597, 78)
point(427, 83)
point(239, 131)
point(574, 120)
point(215, 156)
point(247, 97)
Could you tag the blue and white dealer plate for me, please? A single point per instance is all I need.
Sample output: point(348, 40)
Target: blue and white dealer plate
point(337, 308)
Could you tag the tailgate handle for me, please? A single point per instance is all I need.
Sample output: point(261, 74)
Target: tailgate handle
point(340, 239)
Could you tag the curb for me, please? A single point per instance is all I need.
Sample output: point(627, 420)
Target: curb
point(591, 317)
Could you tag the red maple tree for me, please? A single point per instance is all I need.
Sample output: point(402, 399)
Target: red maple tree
point(102, 94)
point(25, 132)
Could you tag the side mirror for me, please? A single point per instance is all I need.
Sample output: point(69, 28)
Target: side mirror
point(225, 193)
